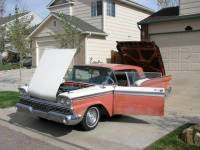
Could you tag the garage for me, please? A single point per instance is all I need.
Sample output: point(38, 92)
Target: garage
point(177, 35)
point(42, 46)
point(180, 51)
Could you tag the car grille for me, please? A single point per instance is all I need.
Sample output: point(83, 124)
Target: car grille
point(46, 107)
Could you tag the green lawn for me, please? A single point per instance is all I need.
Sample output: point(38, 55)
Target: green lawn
point(8, 66)
point(8, 99)
point(173, 142)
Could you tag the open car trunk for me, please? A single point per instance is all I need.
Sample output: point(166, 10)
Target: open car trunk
point(139, 53)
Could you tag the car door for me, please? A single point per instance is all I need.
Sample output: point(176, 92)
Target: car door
point(132, 100)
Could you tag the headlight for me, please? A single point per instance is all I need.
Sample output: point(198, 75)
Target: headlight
point(64, 100)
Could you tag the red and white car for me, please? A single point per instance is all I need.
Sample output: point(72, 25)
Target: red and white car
point(89, 91)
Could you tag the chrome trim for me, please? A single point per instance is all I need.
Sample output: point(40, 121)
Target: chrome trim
point(139, 93)
point(71, 119)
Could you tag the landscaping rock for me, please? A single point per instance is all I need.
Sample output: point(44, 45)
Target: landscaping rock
point(197, 139)
point(187, 136)
point(191, 135)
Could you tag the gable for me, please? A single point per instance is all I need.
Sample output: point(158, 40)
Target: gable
point(48, 27)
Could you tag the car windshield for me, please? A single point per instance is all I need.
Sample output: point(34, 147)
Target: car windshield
point(88, 74)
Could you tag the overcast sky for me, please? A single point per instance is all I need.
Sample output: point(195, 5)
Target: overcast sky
point(39, 6)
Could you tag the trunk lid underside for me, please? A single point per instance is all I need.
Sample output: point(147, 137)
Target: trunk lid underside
point(144, 54)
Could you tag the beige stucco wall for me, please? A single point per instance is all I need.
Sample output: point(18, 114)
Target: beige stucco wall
point(188, 7)
point(97, 50)
point(174, 26)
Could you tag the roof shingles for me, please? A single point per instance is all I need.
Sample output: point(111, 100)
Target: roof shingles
point(80, 24)
point(167, 14)
point(4, 20)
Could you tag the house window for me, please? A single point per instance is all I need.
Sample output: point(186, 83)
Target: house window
point(110, 8)
point(96, 8)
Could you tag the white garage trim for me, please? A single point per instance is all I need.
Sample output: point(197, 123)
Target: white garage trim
point(37, 53)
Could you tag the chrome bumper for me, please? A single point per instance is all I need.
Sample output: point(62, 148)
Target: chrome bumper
point(53, 116)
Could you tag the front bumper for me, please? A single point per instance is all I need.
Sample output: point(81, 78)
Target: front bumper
point(49, 111)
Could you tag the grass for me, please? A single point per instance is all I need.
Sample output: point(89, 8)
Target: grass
point(8, 99)
point(8, 66)
point(173, 142)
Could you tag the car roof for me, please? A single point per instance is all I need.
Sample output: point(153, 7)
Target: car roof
point(116, 67)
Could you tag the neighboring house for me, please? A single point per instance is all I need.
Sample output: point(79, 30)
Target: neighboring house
point(8, 20)
point(176, 30)
point(102, 23)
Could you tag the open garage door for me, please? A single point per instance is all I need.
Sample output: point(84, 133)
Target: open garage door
point(180, 51)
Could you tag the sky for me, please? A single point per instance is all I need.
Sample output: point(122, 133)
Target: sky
point(39, 6)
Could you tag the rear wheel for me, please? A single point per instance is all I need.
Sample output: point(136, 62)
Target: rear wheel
point(90, 119)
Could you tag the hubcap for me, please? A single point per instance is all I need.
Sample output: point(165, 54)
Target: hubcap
point(92, 117)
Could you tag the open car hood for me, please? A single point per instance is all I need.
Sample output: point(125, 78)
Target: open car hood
point(50, 72)
point(144, 54)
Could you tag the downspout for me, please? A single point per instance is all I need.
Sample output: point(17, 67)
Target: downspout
point(103, 16)
point(139, 27)
point(179, 3)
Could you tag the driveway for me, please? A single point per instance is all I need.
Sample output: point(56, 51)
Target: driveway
point(13, 140)
point(10, 80)
point(128, 132)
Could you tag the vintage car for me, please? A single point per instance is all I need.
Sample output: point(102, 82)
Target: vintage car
point(86, 92)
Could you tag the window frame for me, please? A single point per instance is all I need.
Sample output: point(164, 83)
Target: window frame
point(111, 8)
point(96, 8)
point(126, 72)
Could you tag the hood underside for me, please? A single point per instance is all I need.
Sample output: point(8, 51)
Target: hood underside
point(144, 54)
point(50, 72)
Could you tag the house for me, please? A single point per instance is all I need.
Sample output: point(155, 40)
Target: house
point(101, 22)
point(35, 19)
point(5, 46)
point(176, 30)
point(31, 16)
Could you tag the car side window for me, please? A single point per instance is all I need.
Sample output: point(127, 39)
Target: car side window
point(121, 78)
point(133, 76)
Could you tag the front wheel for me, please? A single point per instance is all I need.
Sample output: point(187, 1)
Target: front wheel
point(90, 119)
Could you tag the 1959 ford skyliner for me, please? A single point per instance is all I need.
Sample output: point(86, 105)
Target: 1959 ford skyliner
point(89, 91)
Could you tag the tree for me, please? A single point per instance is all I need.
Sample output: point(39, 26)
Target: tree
point(2, 38)
point(167, 3)
point(18, 32)
point(2, 31)
point(2, 41)
point(71, 36)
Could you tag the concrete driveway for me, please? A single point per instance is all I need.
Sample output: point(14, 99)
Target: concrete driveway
point(128, 132)
point(10, 80)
